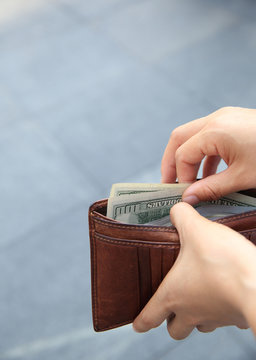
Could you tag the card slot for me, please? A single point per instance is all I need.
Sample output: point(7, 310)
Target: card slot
point(136, 242)
point(156, 255)
point(168, 259)
point(144, 266)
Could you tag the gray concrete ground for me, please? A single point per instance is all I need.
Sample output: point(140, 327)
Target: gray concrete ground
point(89, 94)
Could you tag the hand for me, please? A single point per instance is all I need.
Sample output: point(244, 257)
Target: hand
point(211, 283)
point(230, 134)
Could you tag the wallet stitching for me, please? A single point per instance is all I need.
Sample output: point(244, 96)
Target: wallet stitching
point(135, 243)
point(96, 306)
point(248, 232)
point(140, 228)
point(138, 282)
point(236, 217)
point(99, 204)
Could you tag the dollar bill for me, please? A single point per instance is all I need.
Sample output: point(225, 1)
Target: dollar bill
point(148, 203)
point(211, 212)
point(137, 188)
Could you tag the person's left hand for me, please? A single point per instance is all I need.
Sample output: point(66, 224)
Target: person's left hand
point(204, 288)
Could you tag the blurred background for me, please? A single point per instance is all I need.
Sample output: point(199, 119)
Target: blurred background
point(89, 94)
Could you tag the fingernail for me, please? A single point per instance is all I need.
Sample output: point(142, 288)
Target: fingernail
point(191, 199)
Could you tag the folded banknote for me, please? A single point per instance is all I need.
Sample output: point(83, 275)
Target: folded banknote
point(135, 203)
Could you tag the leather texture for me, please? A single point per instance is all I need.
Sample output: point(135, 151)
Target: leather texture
point(128, 262)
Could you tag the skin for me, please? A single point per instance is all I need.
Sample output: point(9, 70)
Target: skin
point(213, 281)
point(228, 134)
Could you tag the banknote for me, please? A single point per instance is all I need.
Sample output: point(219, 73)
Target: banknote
point(211, 212)
point(149, 203)
point(137, 188)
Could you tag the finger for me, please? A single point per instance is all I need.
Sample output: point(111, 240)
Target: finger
point(160, 306)
point(184, 217)
point(206, 328)
point(243, 326)
point(211, 165)
point(188, 159)
point(178, 328)
point(190, 154)
point(178, 137)
point(212, 187)
point(156, 311)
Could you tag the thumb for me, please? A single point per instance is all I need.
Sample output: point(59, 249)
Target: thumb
point(212, 187)
point(184, 217)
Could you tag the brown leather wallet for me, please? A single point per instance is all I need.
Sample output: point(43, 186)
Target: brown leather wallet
point(128, 262)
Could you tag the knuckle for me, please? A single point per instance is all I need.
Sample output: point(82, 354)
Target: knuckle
point(165, 297)
point(212, 193)
point(206, 328)
point(226, 109)
point(176, 134)
point(145, 320)
point(179, 328)
point(219, 116)
point(214, 123)
point(176, 335)
point(179, 157)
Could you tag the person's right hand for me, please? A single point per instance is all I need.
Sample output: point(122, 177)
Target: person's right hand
point(212, 282)
point(228, 134)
